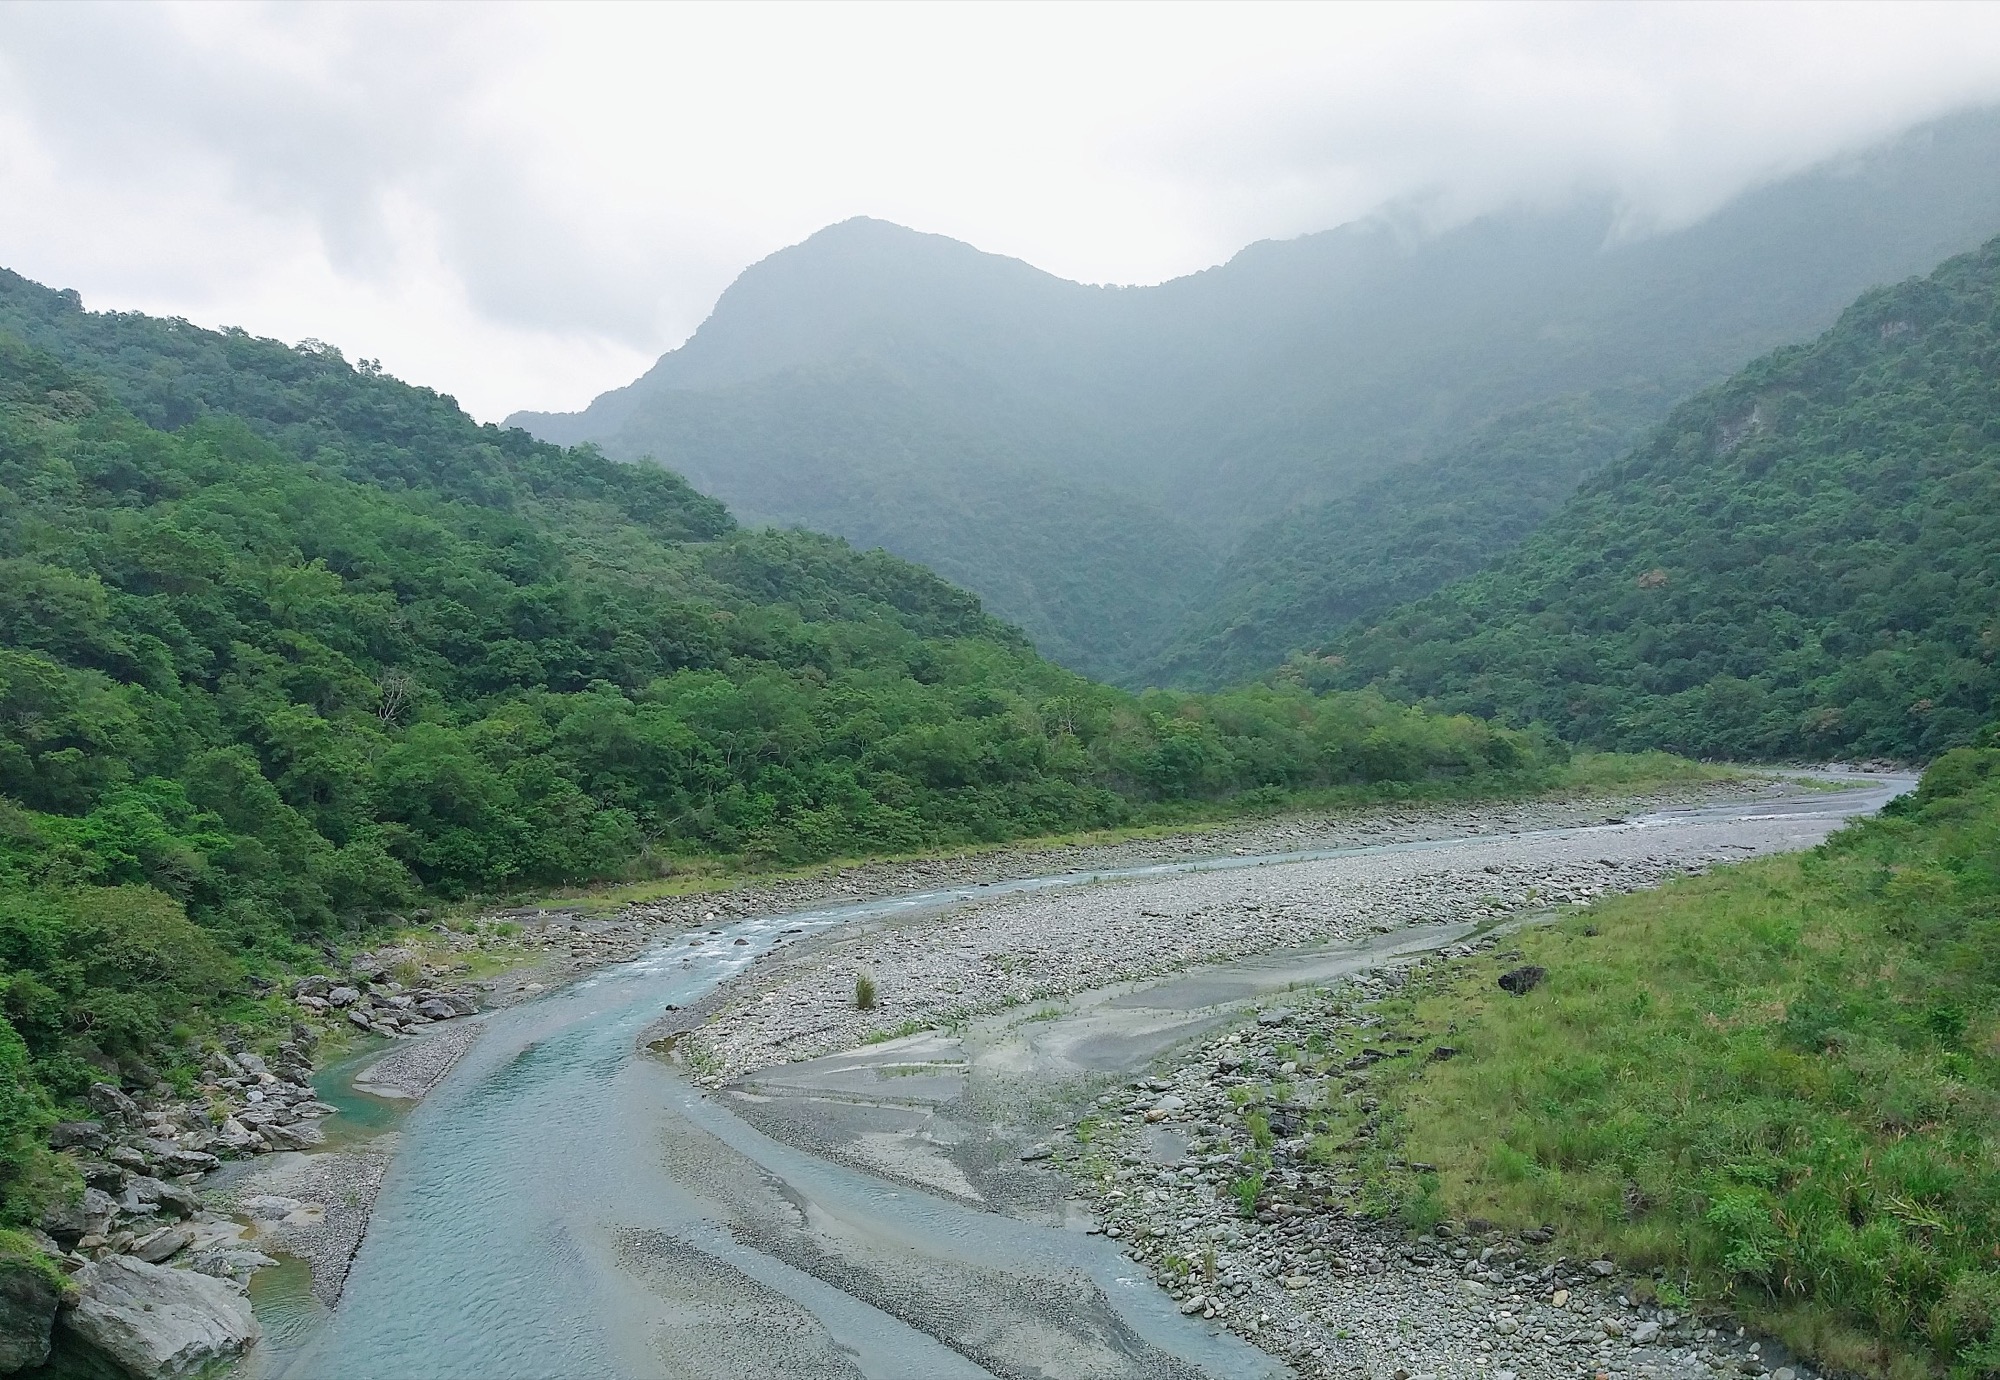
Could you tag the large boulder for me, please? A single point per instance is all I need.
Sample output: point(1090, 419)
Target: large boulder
point(77, 1135)
point(159, 1323)
point(112, 1104)
point(298, 1136)
point(70, 1218)
point(30, 1291)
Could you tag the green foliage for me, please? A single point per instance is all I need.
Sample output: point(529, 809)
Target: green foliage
point(864, 992)
point(25, 1113)
point(1802, 562)
point(1780, 1083)
point(1246, 1189)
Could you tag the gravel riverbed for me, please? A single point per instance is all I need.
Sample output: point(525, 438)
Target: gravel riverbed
point(942, 967)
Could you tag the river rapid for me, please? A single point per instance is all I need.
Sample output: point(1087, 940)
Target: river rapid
point(567, 1205)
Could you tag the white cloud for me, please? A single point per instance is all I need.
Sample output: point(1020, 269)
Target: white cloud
point(523, 206)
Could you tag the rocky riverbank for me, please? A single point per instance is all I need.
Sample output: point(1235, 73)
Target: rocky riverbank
point(1292, 833)
point(158, 1260)
point(1210, 1175)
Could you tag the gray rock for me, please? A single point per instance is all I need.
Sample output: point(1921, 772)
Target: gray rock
point(113, 1105)
point(235, 1136)
point(1645, 1332)
point(315, 986)
point(68, 1135)
point(1603, 1269)
point(157, 1323)
point(29, 1296)
point(63, 1218)
point(252, 1064)
point(437, 1009)
point(299, 1136)
point(100, 1210)
point(162, 1245)
point(462, 1003)
point(359, 1018)
point(143, 1193)
point(1039, 1151)
point(229, 1262)
point(342, 996)
point(189, 1162)
point(91, 1214)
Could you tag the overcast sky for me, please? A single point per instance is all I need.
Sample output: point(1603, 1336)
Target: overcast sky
point(524, 206)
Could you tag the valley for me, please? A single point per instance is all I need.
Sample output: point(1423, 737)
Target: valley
point(1420, 803)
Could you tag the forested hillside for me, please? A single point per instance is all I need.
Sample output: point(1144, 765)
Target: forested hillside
point(1804, 561)
point(288, 647)
point(1398, 537)
point(1126, 470)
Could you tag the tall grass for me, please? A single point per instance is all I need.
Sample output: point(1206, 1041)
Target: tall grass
point(1778, 1085)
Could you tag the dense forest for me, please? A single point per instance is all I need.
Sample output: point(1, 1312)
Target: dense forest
point(1119, 470)
point(1804, 561)
point(288, 647)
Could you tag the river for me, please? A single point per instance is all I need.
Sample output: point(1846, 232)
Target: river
point(565, 1205)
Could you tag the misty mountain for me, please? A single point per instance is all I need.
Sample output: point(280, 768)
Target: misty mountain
point(1801, 562)
point(1182, 482)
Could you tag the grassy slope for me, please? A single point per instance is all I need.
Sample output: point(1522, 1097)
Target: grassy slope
point(1777, 1085)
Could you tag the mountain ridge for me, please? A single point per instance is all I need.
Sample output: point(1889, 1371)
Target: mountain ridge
point(1157, 450)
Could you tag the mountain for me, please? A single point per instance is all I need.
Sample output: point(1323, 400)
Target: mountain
point(1801, 562)
point(1130, 473)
